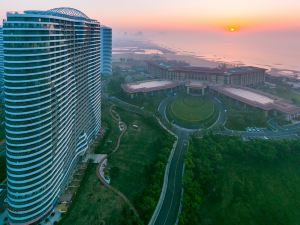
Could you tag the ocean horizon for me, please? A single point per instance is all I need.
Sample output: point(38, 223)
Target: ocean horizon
point(269, 49)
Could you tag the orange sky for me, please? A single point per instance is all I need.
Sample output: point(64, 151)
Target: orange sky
point(177, 14)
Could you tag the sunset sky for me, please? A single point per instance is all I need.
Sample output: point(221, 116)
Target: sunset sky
point(177, 14)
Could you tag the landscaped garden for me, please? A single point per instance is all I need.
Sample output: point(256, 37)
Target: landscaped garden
point(191, 111)
point(136, 170)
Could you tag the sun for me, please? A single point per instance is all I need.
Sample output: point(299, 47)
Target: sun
point(232, 29)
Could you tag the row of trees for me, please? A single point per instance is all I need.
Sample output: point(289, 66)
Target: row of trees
point(229, 181)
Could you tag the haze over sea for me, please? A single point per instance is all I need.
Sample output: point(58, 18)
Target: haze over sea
point(269, 49)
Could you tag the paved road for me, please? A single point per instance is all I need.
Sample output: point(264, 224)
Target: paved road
point(170, 207)
point(277, 131)
point(169, 211)
point(168, 214)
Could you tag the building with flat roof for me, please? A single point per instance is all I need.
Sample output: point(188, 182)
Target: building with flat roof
point(243, 76)
point(106, 50)
point(52, 104)
point(258, 99)
point(150, 86)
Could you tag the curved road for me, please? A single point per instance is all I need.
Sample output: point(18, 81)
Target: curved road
point(171, 201)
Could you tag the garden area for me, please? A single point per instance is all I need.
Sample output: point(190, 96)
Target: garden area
point(228, 181)
point(141, 159)
point(190, 111)
point(136, 170)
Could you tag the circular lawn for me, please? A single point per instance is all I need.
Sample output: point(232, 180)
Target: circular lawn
point(190, 110)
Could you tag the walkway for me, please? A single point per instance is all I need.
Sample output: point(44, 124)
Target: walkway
point(123, 127)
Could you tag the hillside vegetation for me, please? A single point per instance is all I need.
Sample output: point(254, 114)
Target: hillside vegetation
point(228, 181)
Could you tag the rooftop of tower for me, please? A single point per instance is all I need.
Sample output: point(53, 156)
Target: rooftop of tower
point(65, 12)
point(69, 12)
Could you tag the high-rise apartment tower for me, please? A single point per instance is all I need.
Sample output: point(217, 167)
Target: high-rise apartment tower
point(52, 90)
point(106, 50)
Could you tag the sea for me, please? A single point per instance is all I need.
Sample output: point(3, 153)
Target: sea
point(272, 49)
point(277, 51)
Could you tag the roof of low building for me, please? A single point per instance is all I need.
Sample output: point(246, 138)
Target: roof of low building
point(258, 99)
point(149, 85)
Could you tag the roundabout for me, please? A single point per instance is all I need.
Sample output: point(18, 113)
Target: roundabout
point(192, 112)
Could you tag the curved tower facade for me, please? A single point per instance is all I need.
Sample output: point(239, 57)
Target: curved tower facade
point(52, 91)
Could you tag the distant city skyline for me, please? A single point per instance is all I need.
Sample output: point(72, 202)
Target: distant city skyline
point(212, 15)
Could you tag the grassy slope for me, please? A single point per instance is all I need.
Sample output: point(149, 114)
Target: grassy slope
point(253, 183)
point(112, 133)
point(94, 203)
point(138, 150)
point(135, 154)
point(191, 109)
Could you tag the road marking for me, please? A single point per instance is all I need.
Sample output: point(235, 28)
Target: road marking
point(174, 184)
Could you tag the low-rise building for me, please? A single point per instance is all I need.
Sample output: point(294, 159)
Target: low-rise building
point(269, 103)
point(243, 76)
point(150, 86)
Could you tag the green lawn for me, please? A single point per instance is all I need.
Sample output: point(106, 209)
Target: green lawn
point(138, 152)
point(112, 131)
point(190, 109)
point(228, 181)
point(94, 203)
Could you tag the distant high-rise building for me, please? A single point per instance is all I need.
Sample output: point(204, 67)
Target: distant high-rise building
point(106, 50)
point(52, 104)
